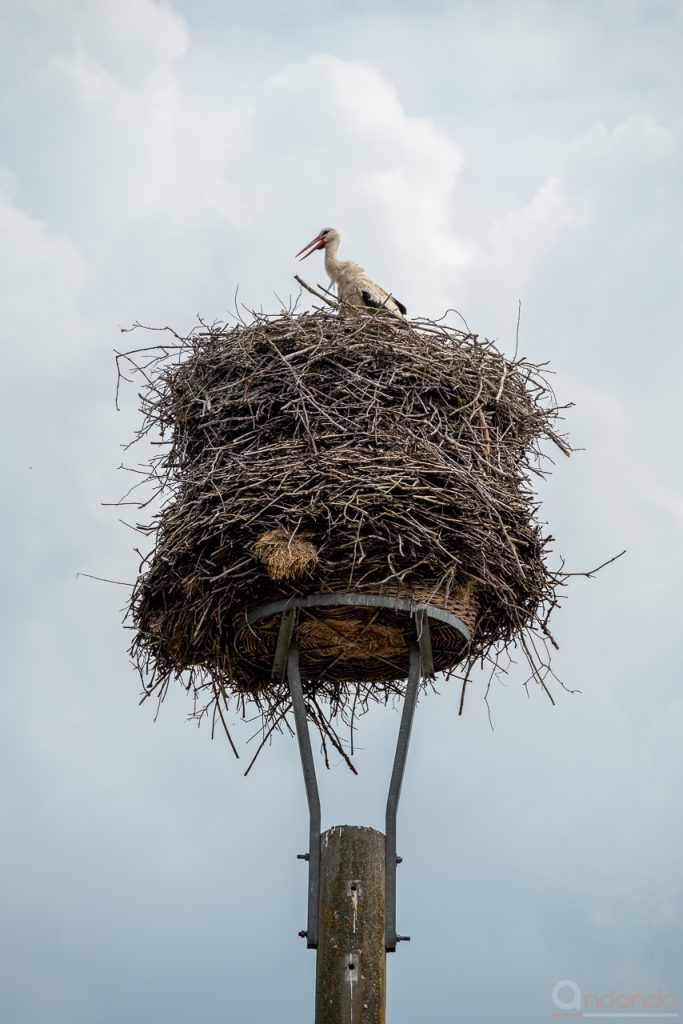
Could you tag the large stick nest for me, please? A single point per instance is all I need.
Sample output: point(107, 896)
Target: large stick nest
point(313, 453)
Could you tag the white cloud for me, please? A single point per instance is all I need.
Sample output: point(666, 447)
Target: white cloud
point(43, 278)
point(521, 241)
point(98, 81)
point(596, 241)
point(347, 153)
point(322, 141)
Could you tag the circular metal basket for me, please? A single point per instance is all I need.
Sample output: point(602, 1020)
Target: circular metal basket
point(350, 637)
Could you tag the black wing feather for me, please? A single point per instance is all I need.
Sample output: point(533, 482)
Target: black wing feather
point(369, 301)
point(375, 304)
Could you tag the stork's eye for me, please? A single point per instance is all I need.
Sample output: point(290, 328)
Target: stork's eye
point(323, 232)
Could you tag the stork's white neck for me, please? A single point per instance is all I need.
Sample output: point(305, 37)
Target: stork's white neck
point(337, 270)
point(333, 266)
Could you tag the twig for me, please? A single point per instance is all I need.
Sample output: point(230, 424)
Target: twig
point(314, 291)
point(591, 572)
point(102, 579)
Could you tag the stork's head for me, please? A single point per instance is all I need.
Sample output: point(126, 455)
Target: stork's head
point(326, 237)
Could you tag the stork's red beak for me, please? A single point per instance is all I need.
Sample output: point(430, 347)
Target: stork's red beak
point(317, 243)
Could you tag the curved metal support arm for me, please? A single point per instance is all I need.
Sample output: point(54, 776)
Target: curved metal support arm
point(311, 784)
point(312, 795)
point(409, 702)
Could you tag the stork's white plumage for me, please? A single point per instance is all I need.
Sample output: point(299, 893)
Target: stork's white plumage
point(354, 288)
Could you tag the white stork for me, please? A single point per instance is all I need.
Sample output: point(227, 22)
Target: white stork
point(354, 287)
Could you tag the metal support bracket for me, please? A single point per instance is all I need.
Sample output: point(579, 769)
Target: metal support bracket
point(284, 639)
point(409, 702)
point(312, 795)
point(424, 639)
point(311, 784)
point(286, 659)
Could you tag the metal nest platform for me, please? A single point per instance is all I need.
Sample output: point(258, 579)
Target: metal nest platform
point(352, 637)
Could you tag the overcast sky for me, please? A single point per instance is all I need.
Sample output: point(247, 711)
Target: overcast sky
point(153, 157)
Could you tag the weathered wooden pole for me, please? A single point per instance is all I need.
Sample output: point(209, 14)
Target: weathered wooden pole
point(351, 962)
